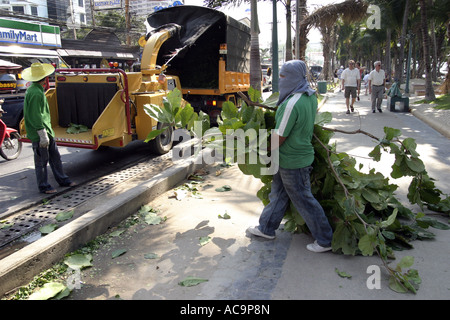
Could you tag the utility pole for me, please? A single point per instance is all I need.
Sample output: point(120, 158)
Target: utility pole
point(72, 13)
point(92, 13)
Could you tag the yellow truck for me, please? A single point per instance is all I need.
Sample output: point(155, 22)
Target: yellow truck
point(202, 52)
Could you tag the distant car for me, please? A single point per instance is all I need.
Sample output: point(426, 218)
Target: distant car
point(267, 77)
point(315, 72)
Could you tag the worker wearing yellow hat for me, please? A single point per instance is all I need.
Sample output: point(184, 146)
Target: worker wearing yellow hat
point(37, 118)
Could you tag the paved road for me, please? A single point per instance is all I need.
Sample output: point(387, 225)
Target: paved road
point(18, 182)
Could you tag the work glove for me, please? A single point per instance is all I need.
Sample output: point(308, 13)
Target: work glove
point(43, 138)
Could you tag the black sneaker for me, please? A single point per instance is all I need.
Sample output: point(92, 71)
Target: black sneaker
point(379, 110)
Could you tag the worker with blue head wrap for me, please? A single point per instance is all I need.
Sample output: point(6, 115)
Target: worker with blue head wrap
point(295, 116)
point(293, 80)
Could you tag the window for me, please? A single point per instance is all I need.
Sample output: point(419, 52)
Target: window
point(81, 3)
point(18, 9)
point(34, 11)
point(82, 18)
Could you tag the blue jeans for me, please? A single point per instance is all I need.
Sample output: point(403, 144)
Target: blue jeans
point(295, 184)
point(44, 156)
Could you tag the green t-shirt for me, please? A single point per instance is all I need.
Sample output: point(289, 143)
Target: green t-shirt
point(36, 112)
point(295, 121)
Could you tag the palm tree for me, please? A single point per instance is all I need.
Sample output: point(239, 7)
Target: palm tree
point(325, 19)
point(288, 5)
point(429, 91)
point(255, 59)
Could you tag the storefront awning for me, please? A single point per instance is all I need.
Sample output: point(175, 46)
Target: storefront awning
point(97, 54)
point(16, 51)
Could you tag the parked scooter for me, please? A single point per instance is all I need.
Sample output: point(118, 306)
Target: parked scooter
point(10, 144)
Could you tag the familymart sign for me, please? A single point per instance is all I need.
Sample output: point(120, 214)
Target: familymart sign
point(24, 33)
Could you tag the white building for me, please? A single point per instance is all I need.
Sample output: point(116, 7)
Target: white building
point(73, 12)
point(145, 7)
point(36, 8)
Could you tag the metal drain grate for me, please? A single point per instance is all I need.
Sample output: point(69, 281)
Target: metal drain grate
point(32, 219)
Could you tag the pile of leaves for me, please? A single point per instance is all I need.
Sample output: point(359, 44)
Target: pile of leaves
point(365, 215)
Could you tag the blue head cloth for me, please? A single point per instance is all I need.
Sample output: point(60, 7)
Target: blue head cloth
point(293, 80)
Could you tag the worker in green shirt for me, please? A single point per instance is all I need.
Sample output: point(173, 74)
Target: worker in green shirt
point(37, 118)
point(297, 107)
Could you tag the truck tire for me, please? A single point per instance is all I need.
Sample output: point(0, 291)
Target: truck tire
point(162, 143)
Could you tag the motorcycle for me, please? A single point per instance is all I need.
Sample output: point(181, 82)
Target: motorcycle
point(10, 144)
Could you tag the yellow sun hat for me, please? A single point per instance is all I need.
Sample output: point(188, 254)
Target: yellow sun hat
point(37, 71)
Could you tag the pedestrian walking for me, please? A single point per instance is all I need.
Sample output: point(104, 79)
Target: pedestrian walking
point(377, 83)
point(366, 82)
point(37, 118)
point(339, 76)
point(350, 81)
point(297, 106)
point(361, 74)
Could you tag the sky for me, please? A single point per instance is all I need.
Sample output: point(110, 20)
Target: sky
point(265, 18)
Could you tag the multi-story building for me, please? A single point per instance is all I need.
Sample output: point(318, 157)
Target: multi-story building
point(145, 7)
point(37, 8)
point(73, 12)
point(70, 12)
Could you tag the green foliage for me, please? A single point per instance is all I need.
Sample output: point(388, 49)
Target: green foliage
point(362, 208)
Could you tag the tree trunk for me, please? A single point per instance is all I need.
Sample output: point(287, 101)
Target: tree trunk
point(401, 57)
point(303, 32)
point(288, 31)
point(429, 91)
point(255, 59)
point(326, 48)
point(387, 60)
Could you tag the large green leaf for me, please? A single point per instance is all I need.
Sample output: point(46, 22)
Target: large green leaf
point(65, 215)
point(391, 133)
point(415, 164)
point(367, 245)
point(48, 291)
point(78, 261)
point(229, 111)
point(154, 133)
point(48, 228)
point(191, 281)
point(272, 100)
point(323, 117)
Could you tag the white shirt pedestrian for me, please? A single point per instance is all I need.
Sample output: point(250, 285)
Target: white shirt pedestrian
point(377, 81)
point(351, 77)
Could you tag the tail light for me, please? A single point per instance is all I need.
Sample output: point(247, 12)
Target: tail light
point(211, 103)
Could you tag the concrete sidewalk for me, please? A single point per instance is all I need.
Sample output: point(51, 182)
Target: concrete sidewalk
point(195, 239)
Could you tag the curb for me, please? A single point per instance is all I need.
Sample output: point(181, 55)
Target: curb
point(440, 127)
point(22, 266)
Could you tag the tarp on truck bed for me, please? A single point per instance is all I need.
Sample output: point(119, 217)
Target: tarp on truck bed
point(202, 31)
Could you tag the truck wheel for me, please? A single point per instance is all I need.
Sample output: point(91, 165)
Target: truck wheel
point(162, 143)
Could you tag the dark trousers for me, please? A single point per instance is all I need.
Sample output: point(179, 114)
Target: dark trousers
point(44, 156)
